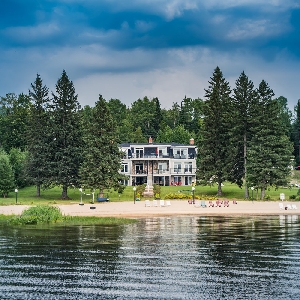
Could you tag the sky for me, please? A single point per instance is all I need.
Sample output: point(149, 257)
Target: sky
point(168, 49)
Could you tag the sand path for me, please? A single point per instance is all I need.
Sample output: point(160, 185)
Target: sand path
point(177, 208)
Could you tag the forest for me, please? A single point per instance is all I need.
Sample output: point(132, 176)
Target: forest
point(244, 135)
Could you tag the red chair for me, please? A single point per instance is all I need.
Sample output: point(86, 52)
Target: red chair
point(226, 203)
point(210, 204)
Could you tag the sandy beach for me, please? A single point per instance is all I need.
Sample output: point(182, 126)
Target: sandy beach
point(177, 208)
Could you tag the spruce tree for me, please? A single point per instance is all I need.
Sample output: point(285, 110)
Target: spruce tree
point(269, 156)
point(213, 149)
point(38, 135)
point(244, 98)
point(101, 154)
point(66, 136)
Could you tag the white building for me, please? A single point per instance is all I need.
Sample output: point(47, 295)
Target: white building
point(159, 163)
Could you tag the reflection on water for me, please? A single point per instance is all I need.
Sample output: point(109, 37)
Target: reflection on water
point(156, 258)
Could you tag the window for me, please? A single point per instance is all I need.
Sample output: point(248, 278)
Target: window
point(188, 167)
point(139, 152)
point(124, 168)
point(162, 168)
point(177, 167)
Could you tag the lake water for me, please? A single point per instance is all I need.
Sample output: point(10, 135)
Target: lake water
point(156, 258)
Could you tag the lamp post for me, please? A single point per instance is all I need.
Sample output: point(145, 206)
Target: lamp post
point(80, 196)
point(134, 190)
point(16, 191)
point(193, 191)
point(252, 188)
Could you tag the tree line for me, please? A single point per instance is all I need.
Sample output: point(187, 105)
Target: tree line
point(244, 135)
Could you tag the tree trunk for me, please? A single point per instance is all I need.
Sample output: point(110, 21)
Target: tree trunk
point(64, 194)
point(245, 167)
point(219, 188)
point(263, 193)
point(38, 190)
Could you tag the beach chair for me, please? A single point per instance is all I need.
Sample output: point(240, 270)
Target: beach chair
point(294, 206)
point(226, 203)
point(168, 203)
point(161, 203)
point(154, 203)
point(197, 203)
point(281, 205)
point(289, 206)
point(210, 204)
point(203, 203)
point(218, 203)
point(147, 203)
point(234, 201)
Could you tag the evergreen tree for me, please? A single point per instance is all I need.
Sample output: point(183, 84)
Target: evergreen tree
point(296, 133)
point(101, 154)
point(66, 136)
point(244, 99)
point(213, 150)
point(39, 135)
point(270, 152)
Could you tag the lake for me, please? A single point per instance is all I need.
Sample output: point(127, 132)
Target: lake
point(155, 258)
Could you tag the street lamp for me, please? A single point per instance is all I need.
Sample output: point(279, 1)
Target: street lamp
point(252, 188)
point(80, 196)
point(134, 190)
point(193, 190)
point(16, 191)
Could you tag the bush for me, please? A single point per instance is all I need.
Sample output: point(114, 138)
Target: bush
point(38, 215)
point(293, 197)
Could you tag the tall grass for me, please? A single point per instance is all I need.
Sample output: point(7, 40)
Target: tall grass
point(47, 214)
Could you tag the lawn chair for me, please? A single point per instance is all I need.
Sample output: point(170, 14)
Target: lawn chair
point(226, 203)
point(210, 204)
point(147, 203)
point(289, 206)
point(281, 205)
point(294, 206)
point(197, 203)
point(234, 201)
point(218, 203)
point(168, 203)
point(154, 203)
point(162, 203)
point(203, 204)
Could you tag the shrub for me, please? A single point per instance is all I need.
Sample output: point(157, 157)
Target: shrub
point(293, 197)
point(38, 215)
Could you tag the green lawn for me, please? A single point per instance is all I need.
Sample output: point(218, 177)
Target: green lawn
point(52, 196)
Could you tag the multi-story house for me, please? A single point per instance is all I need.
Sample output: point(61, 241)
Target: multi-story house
point(159, 163)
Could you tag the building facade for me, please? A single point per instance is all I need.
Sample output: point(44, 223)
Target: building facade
point(159, 163)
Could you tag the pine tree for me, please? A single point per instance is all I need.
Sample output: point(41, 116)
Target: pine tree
point(244, 98)
point(66, 136)
point(101, 154)
point(270, 152)
point(213, 150)
point(38, 135)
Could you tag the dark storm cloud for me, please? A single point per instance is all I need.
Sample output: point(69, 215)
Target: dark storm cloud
point(157, 39)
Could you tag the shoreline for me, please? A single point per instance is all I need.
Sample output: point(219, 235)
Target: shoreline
point(177, 208)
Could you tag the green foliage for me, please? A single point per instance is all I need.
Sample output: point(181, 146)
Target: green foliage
point(101, 154)
point(39, 135)
point(180, 196)
point(39, 214)
point(270, 152)
point(6, 174)
point(65, 147)
point(18, 161)
point(14, 117)
point(213, 149)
